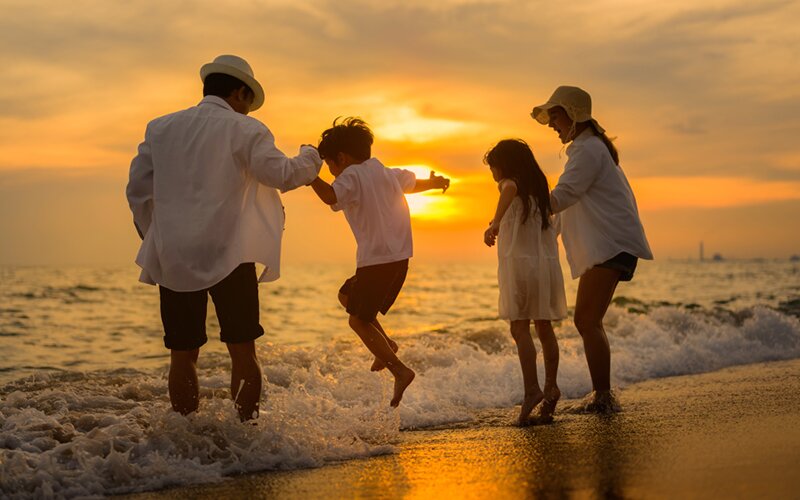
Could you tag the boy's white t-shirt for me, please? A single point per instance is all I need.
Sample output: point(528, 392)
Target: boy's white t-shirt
point(372, 199)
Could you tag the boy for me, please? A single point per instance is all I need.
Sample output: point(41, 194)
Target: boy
point(371, 197)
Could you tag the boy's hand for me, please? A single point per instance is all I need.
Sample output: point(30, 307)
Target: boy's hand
point(439, 182)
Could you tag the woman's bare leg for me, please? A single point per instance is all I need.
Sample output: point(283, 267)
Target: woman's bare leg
point(595, 291)
point(521, 331)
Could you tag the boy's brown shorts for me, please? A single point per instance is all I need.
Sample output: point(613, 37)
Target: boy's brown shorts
point(374, 289)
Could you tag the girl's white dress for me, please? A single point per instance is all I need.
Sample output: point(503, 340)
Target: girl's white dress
point(528, 271)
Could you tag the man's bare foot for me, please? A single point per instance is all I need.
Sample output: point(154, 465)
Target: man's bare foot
point(528, 404)
point(379, 365)
point(401, 382)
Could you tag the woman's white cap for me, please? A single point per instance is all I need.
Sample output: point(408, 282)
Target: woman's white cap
point(236, 67)
point(575, 101)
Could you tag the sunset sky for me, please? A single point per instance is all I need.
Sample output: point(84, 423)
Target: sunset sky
point(703, 97)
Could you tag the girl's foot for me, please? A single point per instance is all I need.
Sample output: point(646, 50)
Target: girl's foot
point(528, 404)
point(401, 381)
point(548, 408)
point(379, 365)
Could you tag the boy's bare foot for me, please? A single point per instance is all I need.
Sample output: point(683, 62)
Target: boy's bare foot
point(379, 365)
point(528, 404)
point(401, 382)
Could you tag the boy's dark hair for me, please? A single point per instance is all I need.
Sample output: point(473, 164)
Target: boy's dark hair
point(514, 159)
point(222, 85)
point(351, 136)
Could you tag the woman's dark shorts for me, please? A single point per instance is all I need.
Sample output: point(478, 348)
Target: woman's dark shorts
point(235, 301)
point(374, 288)
point(623, 262)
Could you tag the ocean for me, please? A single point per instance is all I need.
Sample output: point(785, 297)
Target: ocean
point(83, 397)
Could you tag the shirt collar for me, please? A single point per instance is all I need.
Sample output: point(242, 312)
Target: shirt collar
point(587, 133)
point(216, 101)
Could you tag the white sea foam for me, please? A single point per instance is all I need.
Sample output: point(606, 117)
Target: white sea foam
point(106, 432)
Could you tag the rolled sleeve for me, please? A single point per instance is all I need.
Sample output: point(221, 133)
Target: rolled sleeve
point(406, 178)
point(346, 187)
point(273, 168)
point(580, 172)
point(140, 187)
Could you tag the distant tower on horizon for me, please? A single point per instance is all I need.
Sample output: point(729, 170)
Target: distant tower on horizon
point(702, 257)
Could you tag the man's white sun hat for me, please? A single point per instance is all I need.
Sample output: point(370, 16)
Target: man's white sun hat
point(236, 67)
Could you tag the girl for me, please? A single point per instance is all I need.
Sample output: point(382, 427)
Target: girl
point(603, 236)
point(528, 272)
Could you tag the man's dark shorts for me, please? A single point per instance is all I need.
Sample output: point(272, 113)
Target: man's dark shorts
point(374, 289)
point(623, 262)
point(235, 300)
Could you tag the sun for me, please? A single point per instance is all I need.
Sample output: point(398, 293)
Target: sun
point(428, 205)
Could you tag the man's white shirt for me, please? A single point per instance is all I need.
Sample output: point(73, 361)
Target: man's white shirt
point(203, 190)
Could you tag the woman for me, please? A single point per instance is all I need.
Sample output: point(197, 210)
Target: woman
point(602, 234)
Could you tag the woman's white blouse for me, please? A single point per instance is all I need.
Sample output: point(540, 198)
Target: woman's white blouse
point(599, 216)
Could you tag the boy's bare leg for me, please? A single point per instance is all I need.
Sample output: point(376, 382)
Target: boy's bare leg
point(184, 392)
point(245, 379)
point(377, 365)
point(377, 345)
point(544, 330)
point(521, 331)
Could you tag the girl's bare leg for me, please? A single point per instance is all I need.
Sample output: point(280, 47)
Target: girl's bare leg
point(521, 331)
point(544, 330)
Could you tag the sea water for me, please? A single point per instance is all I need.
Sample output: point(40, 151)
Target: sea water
point(83, 391)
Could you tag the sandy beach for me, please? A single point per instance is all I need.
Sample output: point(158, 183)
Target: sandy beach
point(734, 433)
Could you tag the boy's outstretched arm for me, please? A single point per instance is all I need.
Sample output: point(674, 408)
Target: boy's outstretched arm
point(324, 191)
point(432, 182)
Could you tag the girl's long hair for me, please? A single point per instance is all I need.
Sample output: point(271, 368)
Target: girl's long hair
point(514, 160)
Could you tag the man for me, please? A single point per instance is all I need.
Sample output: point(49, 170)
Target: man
point(203, 190)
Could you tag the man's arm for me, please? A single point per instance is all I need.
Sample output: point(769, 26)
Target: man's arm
point(433, 182)
point(273, 168)
point(324, 191)
point(140, 188)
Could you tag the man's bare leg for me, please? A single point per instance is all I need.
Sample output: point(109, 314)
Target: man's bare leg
point(521, 331)
point(377, 345)
point(544, 330)
point(184, 392)
point(595, 291)
point(245, 379)
point(377, 365)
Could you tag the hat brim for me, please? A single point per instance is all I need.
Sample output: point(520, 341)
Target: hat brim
point(540, 114)
point(248, 80)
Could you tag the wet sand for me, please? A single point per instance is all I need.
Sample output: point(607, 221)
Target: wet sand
point(728, 434)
